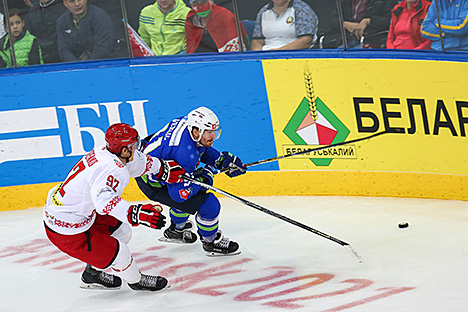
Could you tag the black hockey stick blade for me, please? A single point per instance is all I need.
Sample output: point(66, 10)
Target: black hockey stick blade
point(276, 215)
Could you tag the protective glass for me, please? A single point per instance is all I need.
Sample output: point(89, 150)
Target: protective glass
point(216, 132)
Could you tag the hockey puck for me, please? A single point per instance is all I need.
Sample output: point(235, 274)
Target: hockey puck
point(403, 225)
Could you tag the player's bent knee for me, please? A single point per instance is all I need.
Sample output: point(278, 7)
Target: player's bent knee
point(210, 207)
point(123, 233)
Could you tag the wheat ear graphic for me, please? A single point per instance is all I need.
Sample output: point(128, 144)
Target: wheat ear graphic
point(310, 94)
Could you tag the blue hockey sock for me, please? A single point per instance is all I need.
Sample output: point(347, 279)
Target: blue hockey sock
point(207, 227)
point(178, 217)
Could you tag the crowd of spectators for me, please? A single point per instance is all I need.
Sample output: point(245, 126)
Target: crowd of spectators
point(52, 31)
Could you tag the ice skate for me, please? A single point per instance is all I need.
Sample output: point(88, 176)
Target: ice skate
point(183, 236)
point(150, 283)
point(221, 246)
point(94, 279)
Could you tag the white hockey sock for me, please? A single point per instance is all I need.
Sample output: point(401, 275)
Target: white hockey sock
point(180, 226)
point(125, 267)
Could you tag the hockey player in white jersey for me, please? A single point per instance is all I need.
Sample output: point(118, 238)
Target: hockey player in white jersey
point(86, 218)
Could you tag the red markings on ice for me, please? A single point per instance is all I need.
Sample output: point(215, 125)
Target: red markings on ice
point(259, 288)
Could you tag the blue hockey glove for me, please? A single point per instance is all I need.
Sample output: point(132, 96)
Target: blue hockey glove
point(231, 163)
point(205, 175)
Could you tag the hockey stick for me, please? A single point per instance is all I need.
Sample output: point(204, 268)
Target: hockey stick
point(258, 162)
point(276, 215)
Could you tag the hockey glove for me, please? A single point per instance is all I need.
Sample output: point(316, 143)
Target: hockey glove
point(204, 175)
point(148, 215)
point(232, 164)
point(170, 171)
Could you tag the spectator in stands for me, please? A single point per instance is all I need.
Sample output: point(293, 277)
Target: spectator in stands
point(453, 22)
point(85, 33)
point(369, 18)
point(26, 46)
point(285, 25)
point(162, 26)
point(211, 28)
point(405, 27)
point(41, 21)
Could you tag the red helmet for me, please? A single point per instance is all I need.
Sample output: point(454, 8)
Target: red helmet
point(119, 135)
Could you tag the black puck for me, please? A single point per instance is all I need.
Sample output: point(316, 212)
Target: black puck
point(403, 225)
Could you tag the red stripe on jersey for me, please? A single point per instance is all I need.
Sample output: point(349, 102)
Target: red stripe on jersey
point(111, 205)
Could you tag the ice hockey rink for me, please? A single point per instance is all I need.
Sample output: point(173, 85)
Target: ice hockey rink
point(281, 268)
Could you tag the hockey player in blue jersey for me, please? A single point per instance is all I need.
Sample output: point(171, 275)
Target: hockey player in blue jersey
point(188, 140)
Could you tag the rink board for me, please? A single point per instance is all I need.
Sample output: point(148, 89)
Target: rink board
point(48, 120)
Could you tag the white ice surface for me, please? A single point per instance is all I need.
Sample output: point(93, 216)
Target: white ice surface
point(281, 268)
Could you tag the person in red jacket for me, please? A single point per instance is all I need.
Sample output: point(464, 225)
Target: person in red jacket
point(405, 27)
point(211, 28)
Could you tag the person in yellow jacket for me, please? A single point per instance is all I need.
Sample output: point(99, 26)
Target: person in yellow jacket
point(26, 46)
point(162, 26)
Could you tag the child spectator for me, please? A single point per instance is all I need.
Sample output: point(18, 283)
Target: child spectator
point(26, 46)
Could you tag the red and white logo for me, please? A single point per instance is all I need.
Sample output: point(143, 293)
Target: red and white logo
point(184, 193)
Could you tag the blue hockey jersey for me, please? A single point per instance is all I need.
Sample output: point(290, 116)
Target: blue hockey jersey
point(173, 142)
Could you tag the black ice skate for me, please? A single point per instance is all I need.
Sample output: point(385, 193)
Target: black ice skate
point(94, 279)
point(149, 283)
point(221, 246)
point(183, 236)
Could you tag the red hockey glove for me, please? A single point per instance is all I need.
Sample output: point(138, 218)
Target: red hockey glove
point(170, 171)
point(148, 215)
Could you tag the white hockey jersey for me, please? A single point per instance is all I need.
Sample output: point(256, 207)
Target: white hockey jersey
point(94, 185)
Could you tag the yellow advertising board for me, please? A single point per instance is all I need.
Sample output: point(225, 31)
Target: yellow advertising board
point(423, 105)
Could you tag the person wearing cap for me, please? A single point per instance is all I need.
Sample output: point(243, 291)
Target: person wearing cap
point(162, 26)
point(211, 28)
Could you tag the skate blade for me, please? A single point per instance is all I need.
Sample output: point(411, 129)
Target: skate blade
point(149, 290)
point(165, 288)
point(173, 241)
point(219, 254)
point(97, 286)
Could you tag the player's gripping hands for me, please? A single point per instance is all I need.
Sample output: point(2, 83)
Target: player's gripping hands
point(204, 175)
point(148, 215)
point(230, 164)
point(170, 171)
